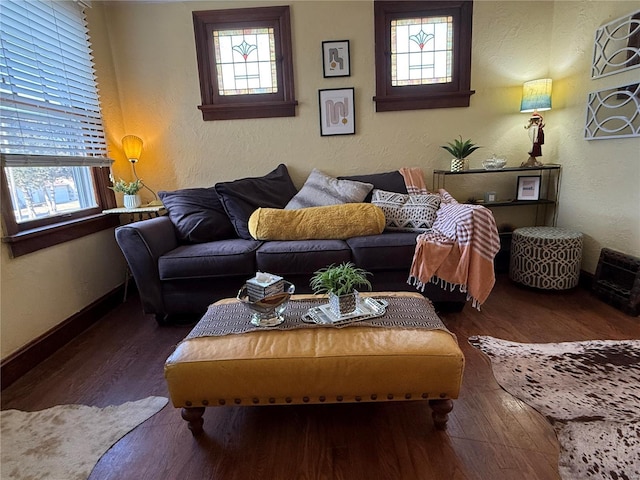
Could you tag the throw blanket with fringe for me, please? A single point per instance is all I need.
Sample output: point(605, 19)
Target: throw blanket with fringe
point(459, 251)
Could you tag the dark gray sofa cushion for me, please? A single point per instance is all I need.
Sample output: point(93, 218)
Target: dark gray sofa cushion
point(241, 198)
point(383, 252)
point(389, 181)
point(298, 257)
point(197, 215)
point(212, 259)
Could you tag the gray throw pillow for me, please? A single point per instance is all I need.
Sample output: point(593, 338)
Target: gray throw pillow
point(321, 189)
point(407, 213)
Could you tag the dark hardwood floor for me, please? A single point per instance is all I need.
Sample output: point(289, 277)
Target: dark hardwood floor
point(490, 435)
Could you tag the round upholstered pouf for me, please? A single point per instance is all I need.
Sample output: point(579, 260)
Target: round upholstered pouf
point(546, 257)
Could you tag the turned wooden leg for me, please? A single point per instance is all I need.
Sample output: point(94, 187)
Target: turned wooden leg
point(439, 411)
point(193, 416)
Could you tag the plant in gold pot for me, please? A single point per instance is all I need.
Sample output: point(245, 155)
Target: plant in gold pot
point(340, 282)
point(460, 150)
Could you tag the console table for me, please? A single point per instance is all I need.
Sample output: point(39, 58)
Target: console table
point(549, 187)
point(546, 206)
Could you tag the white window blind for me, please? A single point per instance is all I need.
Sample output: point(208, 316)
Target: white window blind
point(49, 105)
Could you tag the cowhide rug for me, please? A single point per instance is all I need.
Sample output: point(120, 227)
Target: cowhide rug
point(589, 391)
point(65, 442)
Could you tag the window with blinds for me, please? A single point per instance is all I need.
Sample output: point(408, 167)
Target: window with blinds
point(51, 132)
point(52, 141)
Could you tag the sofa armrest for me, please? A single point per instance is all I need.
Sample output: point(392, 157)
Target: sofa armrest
point(142, 244)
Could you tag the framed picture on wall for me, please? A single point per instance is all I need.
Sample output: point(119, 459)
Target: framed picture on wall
point(335, 58)
point(528, 187)
point(337, 112)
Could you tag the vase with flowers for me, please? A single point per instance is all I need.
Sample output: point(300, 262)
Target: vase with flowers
point(130, 190)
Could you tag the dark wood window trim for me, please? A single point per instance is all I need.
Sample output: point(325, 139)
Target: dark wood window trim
point(228, 107)
point(32, 236)
point(415, 97)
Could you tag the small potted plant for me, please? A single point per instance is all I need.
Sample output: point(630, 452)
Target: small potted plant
point(460, 150)
point(340, 282)
point(130, 190)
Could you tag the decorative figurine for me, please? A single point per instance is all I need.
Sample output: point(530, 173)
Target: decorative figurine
point(536, 134)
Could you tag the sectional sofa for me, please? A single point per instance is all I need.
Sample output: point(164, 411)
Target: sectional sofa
point(203, 250)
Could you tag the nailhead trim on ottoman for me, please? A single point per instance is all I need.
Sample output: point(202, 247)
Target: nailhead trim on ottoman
point(546, 257)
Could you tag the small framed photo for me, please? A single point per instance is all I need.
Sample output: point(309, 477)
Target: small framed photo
point(335, 58)
point(529, 187)
point(337, 112)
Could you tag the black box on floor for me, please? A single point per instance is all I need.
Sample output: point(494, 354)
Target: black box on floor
point(503, 257)
point(617, 280)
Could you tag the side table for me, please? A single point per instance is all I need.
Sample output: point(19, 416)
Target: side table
point(149, 210)
point(140, 212)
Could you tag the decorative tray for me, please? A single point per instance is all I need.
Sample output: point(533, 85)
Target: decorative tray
point(368, 308)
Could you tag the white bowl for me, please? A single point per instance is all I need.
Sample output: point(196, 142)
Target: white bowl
point(494, 163)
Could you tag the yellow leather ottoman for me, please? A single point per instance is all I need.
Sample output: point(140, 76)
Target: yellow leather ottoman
point(316, 365)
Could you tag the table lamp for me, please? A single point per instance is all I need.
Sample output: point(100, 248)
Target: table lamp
point(132, 147)
point(536, 97)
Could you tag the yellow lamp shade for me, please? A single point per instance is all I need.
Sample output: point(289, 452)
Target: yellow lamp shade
point(536, 95)
point(132, 147)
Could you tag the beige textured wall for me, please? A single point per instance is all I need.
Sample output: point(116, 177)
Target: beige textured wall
point(154, 55)
point(42, 289)
point(600, 178)
point(146, 67)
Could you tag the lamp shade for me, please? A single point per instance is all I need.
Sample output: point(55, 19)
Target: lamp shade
point(536, 95)
point(132, 147)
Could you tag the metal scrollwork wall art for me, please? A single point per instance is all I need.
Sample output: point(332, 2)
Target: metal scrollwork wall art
point(615, 112)
point(617, 46)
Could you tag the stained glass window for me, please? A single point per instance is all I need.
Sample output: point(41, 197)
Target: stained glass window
point(423, 54)
point(245, 61)
point(421, 51)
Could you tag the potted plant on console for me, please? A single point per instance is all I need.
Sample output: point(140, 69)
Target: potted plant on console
point(130, 190)
point(460, 150)
point(340, 282)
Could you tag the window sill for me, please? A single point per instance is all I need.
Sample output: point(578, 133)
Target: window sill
point(236, 111)
point(36, 239)
point(419, 102)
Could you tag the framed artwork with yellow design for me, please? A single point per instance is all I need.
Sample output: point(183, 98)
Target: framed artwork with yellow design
point(335, 58)
point(337, 111)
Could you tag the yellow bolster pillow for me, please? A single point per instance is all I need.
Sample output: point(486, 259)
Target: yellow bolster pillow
point(328, 222)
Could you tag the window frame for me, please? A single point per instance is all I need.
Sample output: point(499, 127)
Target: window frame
point(229, 107)
point(456, 93)
point(34, 235)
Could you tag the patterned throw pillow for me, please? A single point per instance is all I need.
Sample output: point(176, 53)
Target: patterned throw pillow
point(407, 213)
point(321, 189)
